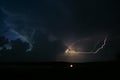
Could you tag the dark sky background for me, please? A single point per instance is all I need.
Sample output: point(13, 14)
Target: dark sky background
point(48, 25)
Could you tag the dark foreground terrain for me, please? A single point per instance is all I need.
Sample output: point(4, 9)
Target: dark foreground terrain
point(34, 70)
point(60, 70)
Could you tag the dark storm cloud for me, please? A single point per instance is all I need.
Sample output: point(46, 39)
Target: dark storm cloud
point(47, 24)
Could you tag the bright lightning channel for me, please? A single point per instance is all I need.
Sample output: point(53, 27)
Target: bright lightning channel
point(72, 52)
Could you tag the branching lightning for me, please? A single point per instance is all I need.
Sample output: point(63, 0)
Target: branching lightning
point(70, 51)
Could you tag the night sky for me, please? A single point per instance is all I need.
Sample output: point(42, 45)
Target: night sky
point(88, 29)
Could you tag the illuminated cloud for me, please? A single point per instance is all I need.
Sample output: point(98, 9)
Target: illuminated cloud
point(73, 48)
point(9, 29)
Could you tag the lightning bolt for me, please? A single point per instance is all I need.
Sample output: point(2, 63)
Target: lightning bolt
point(105, 40)
point(71, 51)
